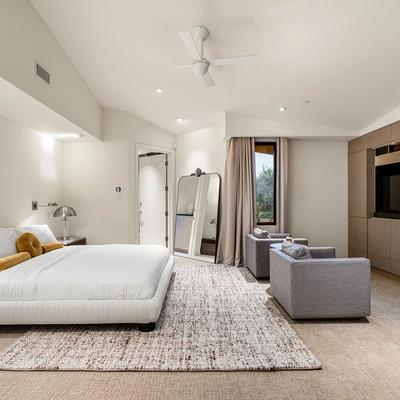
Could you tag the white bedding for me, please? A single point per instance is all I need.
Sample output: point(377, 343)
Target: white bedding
point(105, 272)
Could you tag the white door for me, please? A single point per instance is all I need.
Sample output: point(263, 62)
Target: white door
point(152, 199)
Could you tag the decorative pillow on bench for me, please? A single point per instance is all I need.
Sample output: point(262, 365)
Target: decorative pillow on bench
point(296, 251)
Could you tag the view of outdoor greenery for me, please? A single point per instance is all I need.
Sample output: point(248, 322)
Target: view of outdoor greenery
point(265, 196)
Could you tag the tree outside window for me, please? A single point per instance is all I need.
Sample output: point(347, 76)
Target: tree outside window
point(265, 164)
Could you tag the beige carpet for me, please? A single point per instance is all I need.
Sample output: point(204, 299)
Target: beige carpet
point(361, 362)
point(213, 319)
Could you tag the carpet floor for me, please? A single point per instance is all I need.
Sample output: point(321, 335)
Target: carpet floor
point(361, 361)
point(213, 318)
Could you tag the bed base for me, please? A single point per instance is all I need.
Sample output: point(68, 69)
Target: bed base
point(147, 327)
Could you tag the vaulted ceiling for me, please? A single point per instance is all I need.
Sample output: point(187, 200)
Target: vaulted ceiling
point(342, 55)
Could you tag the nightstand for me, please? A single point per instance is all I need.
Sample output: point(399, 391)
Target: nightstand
point(73, 241)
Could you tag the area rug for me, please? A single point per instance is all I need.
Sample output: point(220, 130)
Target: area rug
point(213, 319)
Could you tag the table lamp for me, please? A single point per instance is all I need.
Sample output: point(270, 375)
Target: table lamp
point(64, 212)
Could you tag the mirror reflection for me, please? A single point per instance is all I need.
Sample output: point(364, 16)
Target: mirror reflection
point(196, 227)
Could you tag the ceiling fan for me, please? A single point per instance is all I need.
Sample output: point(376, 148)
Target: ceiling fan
point(194, 40)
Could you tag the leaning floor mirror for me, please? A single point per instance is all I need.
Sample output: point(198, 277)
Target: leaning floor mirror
point(197, 216)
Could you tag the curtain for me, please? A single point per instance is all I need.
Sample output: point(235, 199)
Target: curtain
point(238, 201)
point(282, 186)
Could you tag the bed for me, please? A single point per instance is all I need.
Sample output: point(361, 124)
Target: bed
point(95, 284)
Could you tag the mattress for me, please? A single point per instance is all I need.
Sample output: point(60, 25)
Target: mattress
point(87, 284)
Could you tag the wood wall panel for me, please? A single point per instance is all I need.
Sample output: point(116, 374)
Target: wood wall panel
point(358, 167)
point(358, 234)
point(357, 253)
point(395, 240)
point(379, 236)
point(358, 201)
point(396, 131)
point(358, 144)
point(379, 137)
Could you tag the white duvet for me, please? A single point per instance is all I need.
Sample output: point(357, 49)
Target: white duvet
point(105, 272)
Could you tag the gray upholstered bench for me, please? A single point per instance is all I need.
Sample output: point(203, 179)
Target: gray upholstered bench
point(323, 286)
point(257, 252)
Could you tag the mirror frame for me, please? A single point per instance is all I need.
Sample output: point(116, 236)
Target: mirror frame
point(197, 174)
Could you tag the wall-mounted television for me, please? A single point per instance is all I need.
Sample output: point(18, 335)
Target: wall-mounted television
point(387, 191)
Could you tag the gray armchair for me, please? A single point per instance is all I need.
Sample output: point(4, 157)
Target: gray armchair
point(257, 252)
point(323, 286)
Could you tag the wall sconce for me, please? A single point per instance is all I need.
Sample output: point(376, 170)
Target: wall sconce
point(35, 205)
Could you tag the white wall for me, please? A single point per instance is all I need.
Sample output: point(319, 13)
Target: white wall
point(205, 149)
point(318, 192)
point(93, 170)
point(30, 169)
point(24, 40)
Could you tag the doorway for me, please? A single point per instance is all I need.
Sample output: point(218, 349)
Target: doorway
point(153, 198)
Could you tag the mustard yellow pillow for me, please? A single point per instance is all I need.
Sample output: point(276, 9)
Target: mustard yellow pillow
point(30, 243)
point(52, 246)
point(10, 261)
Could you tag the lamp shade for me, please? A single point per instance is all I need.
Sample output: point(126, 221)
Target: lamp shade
point(64, 211)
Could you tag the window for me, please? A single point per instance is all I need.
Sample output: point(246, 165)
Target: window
point(265, 163)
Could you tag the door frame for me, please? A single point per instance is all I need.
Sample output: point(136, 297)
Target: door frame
point(171, 188)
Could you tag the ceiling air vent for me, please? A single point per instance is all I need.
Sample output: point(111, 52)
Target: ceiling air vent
point(42, 73)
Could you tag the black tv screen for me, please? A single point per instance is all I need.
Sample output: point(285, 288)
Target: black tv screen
point(387, 191)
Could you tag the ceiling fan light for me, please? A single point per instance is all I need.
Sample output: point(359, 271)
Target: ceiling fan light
point(200, 68)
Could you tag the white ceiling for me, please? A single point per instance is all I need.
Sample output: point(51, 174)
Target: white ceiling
point(343, 55)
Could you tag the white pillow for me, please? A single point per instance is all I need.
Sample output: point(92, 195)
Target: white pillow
point(8, 242)
point(43, 232)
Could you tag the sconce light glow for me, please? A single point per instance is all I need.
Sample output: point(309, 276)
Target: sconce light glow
point(159, 90)
point(282, 109)
point(180, 120)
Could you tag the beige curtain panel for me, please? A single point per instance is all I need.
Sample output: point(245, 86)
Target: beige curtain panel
point(238, 201)
point(282, 186)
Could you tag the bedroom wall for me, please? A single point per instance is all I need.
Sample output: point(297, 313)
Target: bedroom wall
point(203, 149)
point(30, 169)
point(25, 40)
point(318, 192)
point(93, 170)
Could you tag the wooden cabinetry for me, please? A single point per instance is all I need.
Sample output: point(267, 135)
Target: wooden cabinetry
point(375, 238)
point(379, 243)
point(357, 237)
point(379, 137)
point(358, 144)
point(396, 131)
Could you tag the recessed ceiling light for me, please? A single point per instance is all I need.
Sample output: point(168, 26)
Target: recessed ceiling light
point(180, 120)
point(282, 109)
point(306, 102)
point(159, 90)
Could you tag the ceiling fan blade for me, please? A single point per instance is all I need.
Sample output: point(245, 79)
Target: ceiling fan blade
point(208, 80)
point(190, 44)
point(251, 58)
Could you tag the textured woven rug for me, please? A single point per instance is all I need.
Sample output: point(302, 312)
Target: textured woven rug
point(213, 319)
